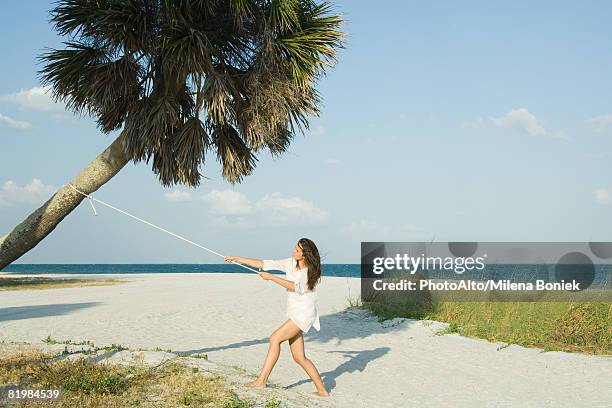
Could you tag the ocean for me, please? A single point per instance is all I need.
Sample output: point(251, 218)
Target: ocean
point(342, 270)
point(600, 275)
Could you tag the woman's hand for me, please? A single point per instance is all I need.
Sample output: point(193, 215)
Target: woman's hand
point(265, 275)
point(230, 258)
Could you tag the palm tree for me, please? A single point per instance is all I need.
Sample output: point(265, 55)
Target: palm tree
point(178, 78)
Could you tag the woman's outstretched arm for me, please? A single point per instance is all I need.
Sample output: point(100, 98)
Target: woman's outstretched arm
point(257, 263)
point(290, 285)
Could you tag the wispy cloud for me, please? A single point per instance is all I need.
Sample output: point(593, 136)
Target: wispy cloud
point(519, 119)
point(592, 155)
point(34, 192)
point(229, 208)
point(15, 124)
point(318, 130)
point(603, 196)
point(177, 195)
point(284, 209)
point(369, 230)
point(332, 161)
point(37, 98)
point(228, 202)
point(601, 123)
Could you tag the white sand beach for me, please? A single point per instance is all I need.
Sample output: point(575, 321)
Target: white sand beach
point(364, 363)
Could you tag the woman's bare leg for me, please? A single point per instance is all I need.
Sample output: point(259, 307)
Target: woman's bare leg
point(286, 331)
point(297, 351)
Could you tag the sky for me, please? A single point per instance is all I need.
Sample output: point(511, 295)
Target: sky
point(445, 121)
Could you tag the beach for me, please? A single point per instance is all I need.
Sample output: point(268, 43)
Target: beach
point(364, 363)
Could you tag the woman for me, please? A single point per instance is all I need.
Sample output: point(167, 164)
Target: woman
point(303, 272)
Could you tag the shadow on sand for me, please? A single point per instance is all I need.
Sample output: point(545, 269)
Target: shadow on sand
point(31, 312)
point(334, 328)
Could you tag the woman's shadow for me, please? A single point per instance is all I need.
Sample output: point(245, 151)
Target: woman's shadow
point(357, 361)
point(348, 324)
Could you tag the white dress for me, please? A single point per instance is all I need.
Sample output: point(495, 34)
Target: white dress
point(301, 303)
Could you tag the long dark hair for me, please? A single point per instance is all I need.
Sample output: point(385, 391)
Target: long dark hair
point(312, 261)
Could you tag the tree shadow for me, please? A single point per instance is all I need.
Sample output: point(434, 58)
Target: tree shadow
point(104, 356)
point(32, 312)
point(357, 361)
point(239, 344)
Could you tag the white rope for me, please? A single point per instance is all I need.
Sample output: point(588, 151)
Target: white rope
point(153, 225)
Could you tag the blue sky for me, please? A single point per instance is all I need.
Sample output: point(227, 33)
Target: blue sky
point(446, 121)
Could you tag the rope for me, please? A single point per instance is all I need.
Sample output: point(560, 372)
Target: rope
point(91, 199)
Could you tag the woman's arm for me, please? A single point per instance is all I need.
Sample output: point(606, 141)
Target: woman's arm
point(281, 265)
point(290, 285)
point(257, 263)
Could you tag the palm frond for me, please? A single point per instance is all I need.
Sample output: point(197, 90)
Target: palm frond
point(114, 86)
point(284, 15)
point(190, 146)
point(118, 23)
point(237, 159)
point(152, 68)
point(69, 72)
point(164, 163)
point(312, 48)
point(217, 98)
point(191, 47)
point(136, 141)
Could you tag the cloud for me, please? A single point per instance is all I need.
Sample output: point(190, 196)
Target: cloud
point(601, 123)
point(35, 192)
point(284, 209)
point(603, 196)
point(332, 161)
point(368, 230)
point(318, 130)
point(37, 98)
point(177, 195)
point(15, 124)
point(520, 119)
point(229, 208)
point(228, 202)
point(592, 155)
point(475, 124)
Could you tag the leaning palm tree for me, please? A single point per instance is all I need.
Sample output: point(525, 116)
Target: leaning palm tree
point(180, 78)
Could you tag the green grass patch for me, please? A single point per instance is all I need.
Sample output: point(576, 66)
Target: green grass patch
point(584, 327)
point(87, 384)
point(35, 282)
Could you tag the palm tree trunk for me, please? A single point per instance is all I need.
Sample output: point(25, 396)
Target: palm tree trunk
point(41, 222)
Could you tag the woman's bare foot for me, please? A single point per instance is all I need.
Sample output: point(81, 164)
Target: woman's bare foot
point(255, 384)
point(320, 394)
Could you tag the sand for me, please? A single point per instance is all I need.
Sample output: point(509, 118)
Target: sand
point(364, 363)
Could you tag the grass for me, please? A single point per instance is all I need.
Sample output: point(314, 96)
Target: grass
point(50, 340)
point(92, 347)
point(584, 327)
point(87, 384)
point(452, 328)
point(273, 404)
point(353, 301)
point(27, 283)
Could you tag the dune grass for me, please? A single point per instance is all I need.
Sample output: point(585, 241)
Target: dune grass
point(35, 282)
point(584, 327)
point(87, 384)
